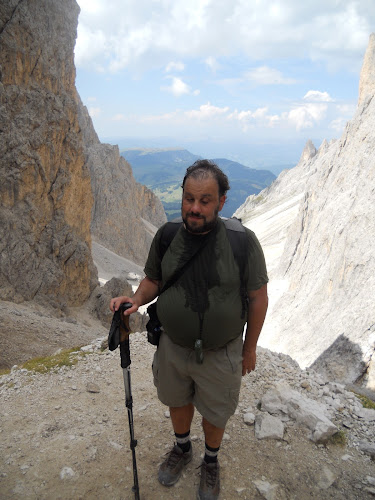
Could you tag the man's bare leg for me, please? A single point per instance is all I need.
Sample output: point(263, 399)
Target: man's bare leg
point(213, 434)
point(181, 418)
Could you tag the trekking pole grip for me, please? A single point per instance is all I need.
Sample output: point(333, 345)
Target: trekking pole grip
point(125, 353)
point(124, 344)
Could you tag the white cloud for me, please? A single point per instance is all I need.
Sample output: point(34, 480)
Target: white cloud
point(175, 66)
point(212, 63)
point(94, 111)
point(248, 119)
point(345, 112)
point(338, 125)
point(267, 76)
point(317, 96)
point(91, 6)
point(150, 34)
point(346, 109)
point(306, 116)
point(228, 122)
point(206, 112)
point(179, 88)
point(90, 47)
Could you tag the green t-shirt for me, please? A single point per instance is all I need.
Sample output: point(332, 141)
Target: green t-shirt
point(205, 301)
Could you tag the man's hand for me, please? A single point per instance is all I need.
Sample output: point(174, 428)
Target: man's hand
point(249, 358)
point(258, 302)
point(117, 301)
point(147, 291)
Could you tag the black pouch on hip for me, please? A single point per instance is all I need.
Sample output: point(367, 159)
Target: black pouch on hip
point(153, 327)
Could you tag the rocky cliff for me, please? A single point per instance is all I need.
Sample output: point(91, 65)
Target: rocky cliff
point(125, 214)
point(57, 181)
point(45, 189)
point(367, 79)
point(317, 223)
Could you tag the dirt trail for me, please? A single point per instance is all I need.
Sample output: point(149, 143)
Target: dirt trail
point(60, 441)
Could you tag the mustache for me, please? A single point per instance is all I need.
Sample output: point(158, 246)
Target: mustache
point(195, 215)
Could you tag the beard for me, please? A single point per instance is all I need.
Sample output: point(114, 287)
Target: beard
point(205, 227)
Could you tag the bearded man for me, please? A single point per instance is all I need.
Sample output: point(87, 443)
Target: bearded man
point(203, 352)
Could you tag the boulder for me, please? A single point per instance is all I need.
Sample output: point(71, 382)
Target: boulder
point(284, 401)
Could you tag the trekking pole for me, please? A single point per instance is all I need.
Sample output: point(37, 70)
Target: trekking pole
point(125, 365)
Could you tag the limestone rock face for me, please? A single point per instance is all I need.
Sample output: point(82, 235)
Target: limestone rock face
point(317, 224)
point(308, 152)
point(45, 189)
point(125, 214)
point(367, 79)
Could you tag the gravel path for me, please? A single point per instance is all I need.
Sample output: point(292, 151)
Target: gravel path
point(65, 435)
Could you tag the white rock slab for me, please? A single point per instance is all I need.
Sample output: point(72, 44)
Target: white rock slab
point(268, 427)
point(282, 400)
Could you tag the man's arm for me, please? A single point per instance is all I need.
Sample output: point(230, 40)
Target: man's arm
point(147, 291)
point(258, 303)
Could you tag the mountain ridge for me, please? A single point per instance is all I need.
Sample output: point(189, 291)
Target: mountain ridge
point(162, 170)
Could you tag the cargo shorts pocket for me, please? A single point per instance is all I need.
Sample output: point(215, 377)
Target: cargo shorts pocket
point(233, 398)
point(233, 352)
point(155, 368)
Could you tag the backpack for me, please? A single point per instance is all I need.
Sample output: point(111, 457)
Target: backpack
point(238, 241)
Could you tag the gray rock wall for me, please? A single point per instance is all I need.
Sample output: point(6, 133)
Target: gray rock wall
point(58, 184)
point(125, 214)
point(326, 315)
point(45, 187)
point(329, 258)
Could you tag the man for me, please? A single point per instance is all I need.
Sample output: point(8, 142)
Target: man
point(204, 304)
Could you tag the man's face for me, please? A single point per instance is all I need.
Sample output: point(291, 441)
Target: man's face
point(201, 204)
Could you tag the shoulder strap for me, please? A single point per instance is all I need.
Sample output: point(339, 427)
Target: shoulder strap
point(232, 225)
point(169, 232)
point(238, 241)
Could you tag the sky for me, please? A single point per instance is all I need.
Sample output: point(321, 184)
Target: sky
point(224, 72)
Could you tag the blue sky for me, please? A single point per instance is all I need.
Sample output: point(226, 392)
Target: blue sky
point(221, 71)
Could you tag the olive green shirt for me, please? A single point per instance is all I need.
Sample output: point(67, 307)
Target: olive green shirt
point(205, 301)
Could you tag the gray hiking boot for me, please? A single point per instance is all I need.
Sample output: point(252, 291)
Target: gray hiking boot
point(209, 488)
point(171, 469)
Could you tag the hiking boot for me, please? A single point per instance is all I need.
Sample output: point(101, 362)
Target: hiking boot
point(171, 469)
point(209, 488)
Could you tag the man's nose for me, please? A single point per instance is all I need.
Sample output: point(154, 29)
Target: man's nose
point(196, 207)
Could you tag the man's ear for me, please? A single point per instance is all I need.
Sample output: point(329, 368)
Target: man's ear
point(222, 201)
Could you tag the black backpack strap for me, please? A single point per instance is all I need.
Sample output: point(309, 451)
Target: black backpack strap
point(168, 233)
point(238, 241)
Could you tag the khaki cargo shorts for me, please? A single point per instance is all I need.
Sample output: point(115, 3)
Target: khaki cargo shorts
point(213, 386)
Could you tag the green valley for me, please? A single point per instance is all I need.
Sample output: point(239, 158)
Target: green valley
point(162, 171)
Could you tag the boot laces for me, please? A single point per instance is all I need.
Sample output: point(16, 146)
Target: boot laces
point(173, 458)
point(211, 474)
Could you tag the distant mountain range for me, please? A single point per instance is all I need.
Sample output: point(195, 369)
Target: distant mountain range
point(162, 171)
point(273, 156)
